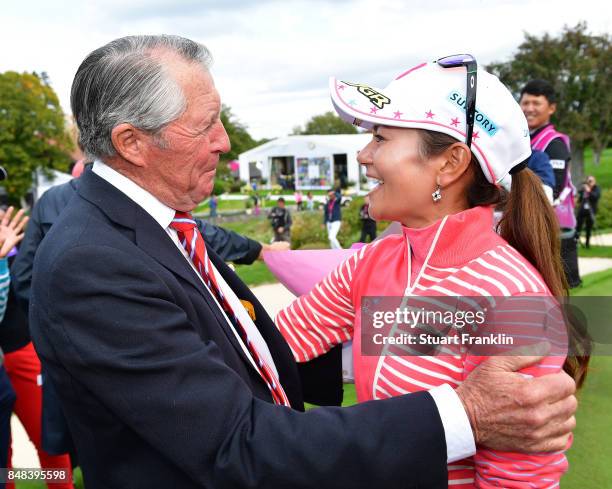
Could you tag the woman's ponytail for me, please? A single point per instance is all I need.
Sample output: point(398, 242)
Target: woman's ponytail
point(530, 225)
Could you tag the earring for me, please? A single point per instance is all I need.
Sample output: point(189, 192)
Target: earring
point(437, 195)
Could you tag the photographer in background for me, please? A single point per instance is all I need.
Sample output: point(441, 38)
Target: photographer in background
point(280, 218)
point(588, 198)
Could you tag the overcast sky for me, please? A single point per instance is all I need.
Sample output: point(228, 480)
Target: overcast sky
point(273, 58)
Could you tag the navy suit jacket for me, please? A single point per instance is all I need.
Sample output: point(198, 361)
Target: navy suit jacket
point(158, 393)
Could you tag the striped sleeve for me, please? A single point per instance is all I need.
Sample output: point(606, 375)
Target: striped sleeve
point(529, 319)
point(5, 281)
point(316, 322)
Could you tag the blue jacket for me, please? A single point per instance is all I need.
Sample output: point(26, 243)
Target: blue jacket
point(336, 213)
point(539, 163)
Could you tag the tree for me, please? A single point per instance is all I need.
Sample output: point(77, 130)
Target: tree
point(239, 136)
point(579, 66)
point(240, 140)
point(328, 123)
point(32, 130)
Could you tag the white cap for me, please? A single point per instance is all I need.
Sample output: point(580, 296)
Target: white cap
point(433, 98)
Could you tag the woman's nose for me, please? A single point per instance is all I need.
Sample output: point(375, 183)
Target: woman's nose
point(364, 157)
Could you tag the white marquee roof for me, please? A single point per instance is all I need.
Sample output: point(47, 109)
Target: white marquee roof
point(312, 145)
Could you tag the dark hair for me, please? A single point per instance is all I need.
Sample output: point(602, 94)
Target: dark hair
point(540, 87)
point(535, 235)
point(281, 199)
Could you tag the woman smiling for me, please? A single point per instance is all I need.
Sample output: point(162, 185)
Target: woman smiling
point(449, 143)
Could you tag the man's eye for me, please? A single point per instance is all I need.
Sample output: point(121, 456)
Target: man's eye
point(378, 138)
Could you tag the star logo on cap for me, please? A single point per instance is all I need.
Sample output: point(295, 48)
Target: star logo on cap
point(455, 121)
point(373, 110)
point(429, 114)
point(397, 114)
point(341, 87)
point(352, 102)
point(475, 136)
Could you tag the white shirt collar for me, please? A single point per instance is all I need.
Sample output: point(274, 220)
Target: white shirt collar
point(158, 210)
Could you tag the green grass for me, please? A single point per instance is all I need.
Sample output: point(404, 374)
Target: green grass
point(255, 274)
point(350, 395)
point(591, 452)
point(595, 284)
point(260, 230)
point(602, 172)
point(595, 251)
point(257, 228)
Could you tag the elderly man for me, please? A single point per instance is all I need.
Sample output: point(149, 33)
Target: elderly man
point(165, 378)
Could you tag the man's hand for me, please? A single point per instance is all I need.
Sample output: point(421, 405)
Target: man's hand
point(509, 412)
point(11, 230)
point(276, 246)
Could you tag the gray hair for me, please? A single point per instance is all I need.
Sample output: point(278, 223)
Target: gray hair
point(125, 81)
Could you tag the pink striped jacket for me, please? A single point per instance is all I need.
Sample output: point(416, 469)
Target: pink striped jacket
point(460, 255)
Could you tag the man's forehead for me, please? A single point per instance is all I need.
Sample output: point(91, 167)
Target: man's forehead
point(532, 96)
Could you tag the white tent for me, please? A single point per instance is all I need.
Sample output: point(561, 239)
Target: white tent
point(305, 162)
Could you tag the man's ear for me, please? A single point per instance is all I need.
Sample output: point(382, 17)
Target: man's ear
point(130, 143)
point(457, 158)
point(552, 109)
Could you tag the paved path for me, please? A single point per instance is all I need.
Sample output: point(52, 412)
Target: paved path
point(273, 297)
point(592, 265)
point(24, 453)
point(600, 239)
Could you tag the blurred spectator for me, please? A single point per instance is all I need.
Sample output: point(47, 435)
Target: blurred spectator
point(332, 217)
point(309, 201)
point(256, 208)
point(280, 218)
point(213, 203)
point(298, 199)
point(368, 225)
point(588, 198)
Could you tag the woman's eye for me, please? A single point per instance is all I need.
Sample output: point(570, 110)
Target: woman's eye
point(378, 138)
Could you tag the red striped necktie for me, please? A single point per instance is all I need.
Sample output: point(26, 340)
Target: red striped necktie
point(192, 241)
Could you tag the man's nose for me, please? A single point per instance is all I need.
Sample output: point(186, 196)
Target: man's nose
point(220, 141)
